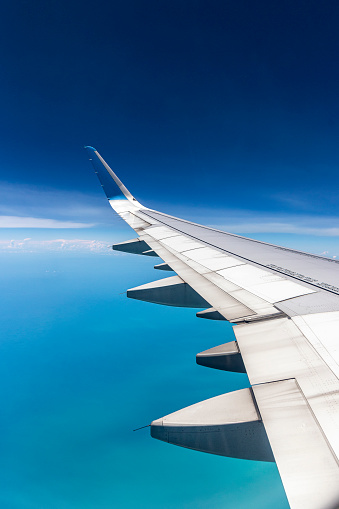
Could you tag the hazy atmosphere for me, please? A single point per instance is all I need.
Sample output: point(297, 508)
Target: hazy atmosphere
point(224, 113)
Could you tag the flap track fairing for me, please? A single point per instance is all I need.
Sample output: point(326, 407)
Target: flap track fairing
point(227, 425)
point(135, 246)
point(170, 291)
point(225, 357)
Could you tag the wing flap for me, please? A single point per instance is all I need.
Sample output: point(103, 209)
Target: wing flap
point(278, 350)
point(306, 463)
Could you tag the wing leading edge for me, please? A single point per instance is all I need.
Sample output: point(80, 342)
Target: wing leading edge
point(285, 308)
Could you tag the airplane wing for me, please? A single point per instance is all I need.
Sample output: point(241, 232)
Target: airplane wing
point(284, 305)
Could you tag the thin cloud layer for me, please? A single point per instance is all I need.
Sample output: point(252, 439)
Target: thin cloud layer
point(32, 202)
point(24, 206)
point(38, 222)
point(262, 227)
point(30, 246)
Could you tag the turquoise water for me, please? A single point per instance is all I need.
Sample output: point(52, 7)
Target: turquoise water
point(81, 366)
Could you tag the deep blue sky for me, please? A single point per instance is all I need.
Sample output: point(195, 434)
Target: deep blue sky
point(228, 103)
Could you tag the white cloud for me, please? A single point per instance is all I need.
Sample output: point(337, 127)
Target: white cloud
point(38, 222)
point(30, 245)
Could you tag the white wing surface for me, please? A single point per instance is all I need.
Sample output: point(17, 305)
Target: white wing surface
point(285, 308)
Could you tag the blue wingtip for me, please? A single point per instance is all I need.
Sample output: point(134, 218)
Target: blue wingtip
point(105, 175)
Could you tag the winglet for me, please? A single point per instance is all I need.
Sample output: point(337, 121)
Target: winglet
point(111, 184)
